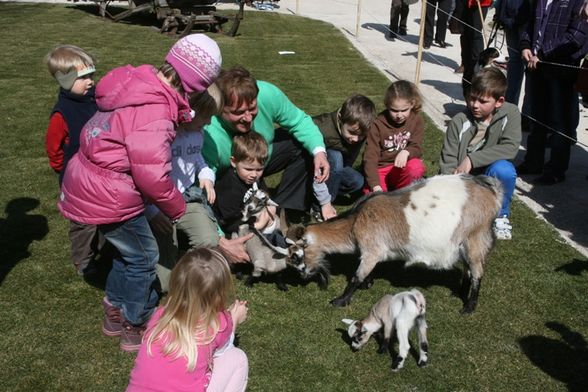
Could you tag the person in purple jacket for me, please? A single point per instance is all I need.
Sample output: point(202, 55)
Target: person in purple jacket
point(124, 161)
point(553, 44)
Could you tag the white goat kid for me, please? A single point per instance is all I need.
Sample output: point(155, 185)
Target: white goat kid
point(436, 222)
point(265, 257)
point(400, 312)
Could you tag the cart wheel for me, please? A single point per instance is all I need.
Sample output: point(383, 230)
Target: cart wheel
point(188, 29)
point(236, 20)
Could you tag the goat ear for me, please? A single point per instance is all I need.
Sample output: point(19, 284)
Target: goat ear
point(348, 321)
point(270, 202)
point(289, 241)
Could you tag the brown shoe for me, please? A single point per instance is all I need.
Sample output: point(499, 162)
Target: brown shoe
point(131, 337)
point(112, 323)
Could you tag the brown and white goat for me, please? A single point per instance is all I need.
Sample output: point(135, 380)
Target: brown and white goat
point(436, 222)
point(265, 257)
point(400, 313)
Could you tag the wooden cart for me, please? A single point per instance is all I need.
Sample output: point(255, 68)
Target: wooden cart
point(177, 16)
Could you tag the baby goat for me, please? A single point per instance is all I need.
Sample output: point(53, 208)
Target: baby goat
point(398, 312)
point(265, 257)
point(436, 222)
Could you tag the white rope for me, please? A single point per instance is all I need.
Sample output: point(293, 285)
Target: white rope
point(432, 56)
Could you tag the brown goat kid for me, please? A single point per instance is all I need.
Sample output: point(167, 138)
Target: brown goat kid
point(436, 222)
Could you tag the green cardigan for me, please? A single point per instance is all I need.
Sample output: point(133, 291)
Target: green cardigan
point(273, 108)
point(503, 138)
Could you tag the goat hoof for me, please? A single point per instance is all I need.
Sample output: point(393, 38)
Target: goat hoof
point(422, 363)
point(249, 282)
point(467, 309)
point(397, 364)
point(340, 302)
point(382, 350)
point(239, 275)
point(366, 284)
point(282, 287)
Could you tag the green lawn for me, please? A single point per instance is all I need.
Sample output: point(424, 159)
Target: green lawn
point(527, 334)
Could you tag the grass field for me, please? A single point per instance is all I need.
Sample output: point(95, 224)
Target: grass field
point(528, 333)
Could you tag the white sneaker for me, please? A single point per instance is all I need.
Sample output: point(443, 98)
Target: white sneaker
point(502, 228)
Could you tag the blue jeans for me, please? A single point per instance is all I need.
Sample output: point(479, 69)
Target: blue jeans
point(343, 179)
point(504, 171)
point(130, 282)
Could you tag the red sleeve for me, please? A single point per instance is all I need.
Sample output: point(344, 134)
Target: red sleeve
point(57, 136)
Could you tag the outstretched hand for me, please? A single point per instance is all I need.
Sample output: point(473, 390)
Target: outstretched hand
point(238, 311)
point(235, 248)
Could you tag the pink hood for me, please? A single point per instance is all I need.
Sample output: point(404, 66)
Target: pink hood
point(124, 158)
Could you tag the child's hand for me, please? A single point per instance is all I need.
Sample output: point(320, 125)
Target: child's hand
point(464, 167)
point(328, 211)
point(265, 218)
point(238, 311)
point(401, 159)
point(208, 186)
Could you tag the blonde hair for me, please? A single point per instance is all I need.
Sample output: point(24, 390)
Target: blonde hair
point(207, 103)
point(403, 89)
point(64, 58)
point(200, 288)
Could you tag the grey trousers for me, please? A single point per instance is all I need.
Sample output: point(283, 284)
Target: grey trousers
point(200, 230)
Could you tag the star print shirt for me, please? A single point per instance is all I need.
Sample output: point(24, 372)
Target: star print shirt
point(386, 139)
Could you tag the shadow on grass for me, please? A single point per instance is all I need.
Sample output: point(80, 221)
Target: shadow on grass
point(17, 231)
point(564, 359)
point(397, 274)
point(575, 267)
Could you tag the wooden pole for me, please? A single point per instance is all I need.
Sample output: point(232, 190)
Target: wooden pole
point(358, 18)
point(482, 23)
point(417, 78)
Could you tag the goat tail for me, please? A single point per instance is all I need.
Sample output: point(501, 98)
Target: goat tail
point(491, 183)
point(418, 299)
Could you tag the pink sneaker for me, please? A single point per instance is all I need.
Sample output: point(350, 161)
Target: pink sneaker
point(113, 319)
point(131, 337)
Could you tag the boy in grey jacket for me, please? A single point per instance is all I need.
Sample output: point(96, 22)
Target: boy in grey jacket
point(485, 138)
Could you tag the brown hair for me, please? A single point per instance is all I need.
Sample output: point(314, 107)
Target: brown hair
point(358, 109)
point(174, 79)
point(489, 81)
point(65, 57)
point(237, 83)
point(250, 146)
point(403, 89)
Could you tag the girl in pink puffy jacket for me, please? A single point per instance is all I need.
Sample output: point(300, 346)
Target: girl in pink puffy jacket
point(124, 161)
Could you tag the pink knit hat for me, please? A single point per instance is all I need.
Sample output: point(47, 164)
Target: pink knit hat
point(197, 60)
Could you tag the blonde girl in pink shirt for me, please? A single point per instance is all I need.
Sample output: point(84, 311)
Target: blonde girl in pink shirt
point(188, 345)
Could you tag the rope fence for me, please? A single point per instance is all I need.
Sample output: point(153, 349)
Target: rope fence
point(374, 18)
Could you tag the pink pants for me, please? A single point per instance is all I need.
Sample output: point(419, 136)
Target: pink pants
point(229, 372)
point(392, 177)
